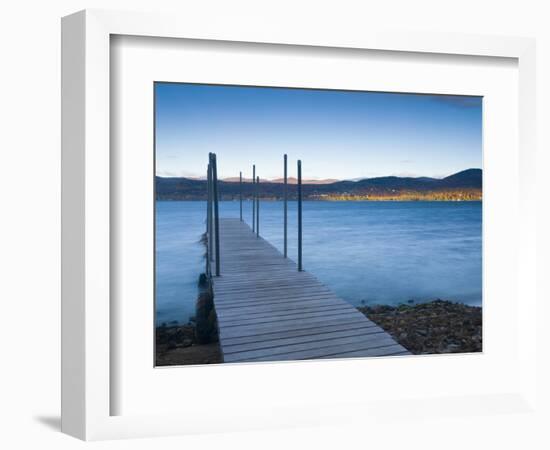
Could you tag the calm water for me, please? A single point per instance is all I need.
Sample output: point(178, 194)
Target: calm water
point(367, 252)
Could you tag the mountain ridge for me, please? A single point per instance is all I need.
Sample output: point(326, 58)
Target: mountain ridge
point(466, 184)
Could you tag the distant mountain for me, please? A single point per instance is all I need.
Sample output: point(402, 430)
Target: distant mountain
point(290, 180)
point(465, 185)
point(466, 178)
point(236, 180)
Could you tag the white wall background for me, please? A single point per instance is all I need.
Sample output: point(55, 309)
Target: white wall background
point(30, 198)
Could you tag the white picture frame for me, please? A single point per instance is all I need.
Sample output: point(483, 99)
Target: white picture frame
point(86, 220)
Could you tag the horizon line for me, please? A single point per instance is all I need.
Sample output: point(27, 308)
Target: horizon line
point(279, 179)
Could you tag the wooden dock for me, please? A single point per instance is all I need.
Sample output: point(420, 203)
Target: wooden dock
point(269, 311)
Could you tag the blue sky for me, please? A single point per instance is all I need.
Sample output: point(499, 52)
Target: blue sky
point(336, 134)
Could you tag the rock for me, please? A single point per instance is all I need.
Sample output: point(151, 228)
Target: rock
point(186, 343)
point(203, 281)
point(439, 326)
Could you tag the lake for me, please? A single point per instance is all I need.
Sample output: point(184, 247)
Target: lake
point(366, 252)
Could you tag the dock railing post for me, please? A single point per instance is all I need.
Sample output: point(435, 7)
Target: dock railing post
point(212, 230)
point(258, 207)
point(241, 195)
point(253, 198)
point(216, 213)
point(285, 246)
point(208, 222)
point(207, 198)
point(210, 235)
point(299, 215)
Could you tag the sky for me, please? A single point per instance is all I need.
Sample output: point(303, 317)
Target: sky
point(337, 134)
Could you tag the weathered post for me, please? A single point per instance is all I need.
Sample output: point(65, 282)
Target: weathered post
point(207, 197)
point(207, 232)
point(253, 198)
point(209, 213)
point(208, 217)
point(216, 213)
point(241, 195)
point(299, 215)
point(285, 206)
point(258, 207)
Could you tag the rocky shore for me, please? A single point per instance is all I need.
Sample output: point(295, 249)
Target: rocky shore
point(426, 328)
point(195, 342)
point(435, 327)
point(178, 345)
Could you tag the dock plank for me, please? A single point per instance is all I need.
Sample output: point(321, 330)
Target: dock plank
point(268, 311)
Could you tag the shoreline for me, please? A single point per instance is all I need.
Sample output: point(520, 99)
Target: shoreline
point(196, 342)
point(434, 327)
point(177, 345)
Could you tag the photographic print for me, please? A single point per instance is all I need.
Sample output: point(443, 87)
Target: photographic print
point(298, 224)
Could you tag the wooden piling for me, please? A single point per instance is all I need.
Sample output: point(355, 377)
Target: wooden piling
point(210, 230)
point(285, 246)
point(300, 268)
point(216, 213)
point(258, 207)
point(241, 195)
point(253, 198)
